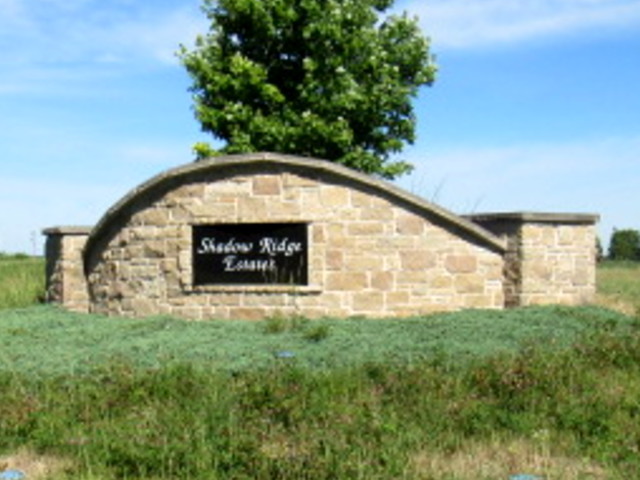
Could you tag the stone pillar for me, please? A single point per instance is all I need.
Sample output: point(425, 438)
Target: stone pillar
point(66, 281)
point(550, 259)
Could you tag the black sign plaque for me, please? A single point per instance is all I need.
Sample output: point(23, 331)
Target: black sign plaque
point(250, 254)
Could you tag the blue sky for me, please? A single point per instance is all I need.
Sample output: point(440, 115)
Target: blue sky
point(536, 107)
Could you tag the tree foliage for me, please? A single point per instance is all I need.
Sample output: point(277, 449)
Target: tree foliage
point(625, 245)
point(332, 79)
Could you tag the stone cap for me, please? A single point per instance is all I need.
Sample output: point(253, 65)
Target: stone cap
point(269, 160)
point(536, 217)
point(67, 230)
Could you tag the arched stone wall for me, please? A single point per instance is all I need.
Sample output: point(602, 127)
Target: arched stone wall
point(248, 236)
point(373, 249)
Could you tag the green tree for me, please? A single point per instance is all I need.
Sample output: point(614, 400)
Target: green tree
point(624, 245)
point(333, 79)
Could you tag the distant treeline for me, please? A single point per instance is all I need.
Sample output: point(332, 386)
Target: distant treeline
point(624, 245)
point(13, 256)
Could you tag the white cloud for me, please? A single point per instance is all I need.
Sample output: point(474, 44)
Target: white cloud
point(78, 48)
point(93, 31)
point(161, 37)
point(477, 23)
point(483, 170)
point(596, 176)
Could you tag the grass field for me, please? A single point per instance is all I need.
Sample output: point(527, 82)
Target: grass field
point(475, 395)
point(21, 280)
point(619, 286)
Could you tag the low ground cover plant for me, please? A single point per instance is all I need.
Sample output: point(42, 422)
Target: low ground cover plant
point(45, 340)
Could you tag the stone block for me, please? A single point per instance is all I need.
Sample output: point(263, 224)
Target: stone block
point(469, 283)
point(190, 190)
point(417, 260)
point(220, 212)
point(376, 213)
point(333, 196)
point(264, 300)
point(566, 235)
point(144, 307)
point(153, 249)
point(549, 237)
point(363, 262)
point(286, 211)
point(383, 281)
point(583, 277)
point(335, 260)
point(395, 298)
point(409, 225)
point(236, 187)
point(368, 302)
point(318, 234)
point(253, 209)
point(155, 217)
point(345, 281)
point(179, 215)
point(493, 271)
point(442, 282)
point(293, 182)
point(267, 185)
point(456, 264)
point(360, 199)
point(247, 313)
point(540, 271)
point(411, 278)
point(479, 301)
point(365, 228)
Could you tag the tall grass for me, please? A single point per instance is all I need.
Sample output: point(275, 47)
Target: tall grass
point(22, 280)
point(619, 285)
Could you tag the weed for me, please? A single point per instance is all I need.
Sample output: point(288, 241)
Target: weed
point(280, 323)
point(316, 333)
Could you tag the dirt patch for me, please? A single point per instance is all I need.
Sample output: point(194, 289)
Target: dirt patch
point(500, 459)
point(35, 467)
point(615, 302)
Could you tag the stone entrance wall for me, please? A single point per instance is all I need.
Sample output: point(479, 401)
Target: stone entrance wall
point(373, 249)
point(551, 257)
point(66, 282)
